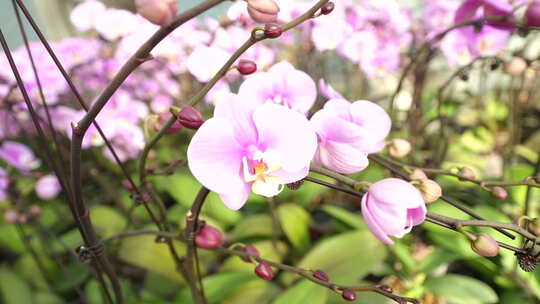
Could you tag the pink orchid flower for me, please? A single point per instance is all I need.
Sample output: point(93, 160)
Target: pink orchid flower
point(347, 132)
point(248, 147)
point(283, 85)
point(491, 8)
point(391, 207)
point(19, 156)
point(4, 183)
point(48, 187)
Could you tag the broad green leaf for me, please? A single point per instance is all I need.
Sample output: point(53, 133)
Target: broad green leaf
point(47, 298)
point(107, 220)
point(256, 291)
point(351, 219)
point(258, 225)
point(27, 268)
point(144, 252)
point(302, 292)
point(10, 240)
point(516, 296)
point(401, 252)
point(219, 286)
point(346, 257)
point(295, 222)
point(461, 289)
point(13, 288)
point(437, 258)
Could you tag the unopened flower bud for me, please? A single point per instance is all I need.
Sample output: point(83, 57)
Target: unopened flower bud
point(534, 226)
point(348, 295)
point(246, 67)
point(532, 14)
point(190, 118)
point(159, 12)
point(272, 30)
point(264, 271)
point(399, 147)
point(251, 250)
point(386, 288)
point(467, 173)
point(35, 211)
point(485, 245)
point(516, 66)
point(208, 237)
point(327, 8)
point(126, 184)
point(418, 174)
point(430, 189)
point(11, 216)
point(263, 11)
point(499, 193)
point(321, 275)
point(175, 128)
point(22, 219)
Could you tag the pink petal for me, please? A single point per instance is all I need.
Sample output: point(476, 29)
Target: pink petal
point(256, 88)
point(236, 199)
point(239, 113)
point(215, 159)
point(291, 177)
point(331, 127)
point(394, 191)
point(372, 223)
point(302, 89)
point(340, 107)
point(417, 215)
point(288, 133)
point(341, 157)
point(467, 10)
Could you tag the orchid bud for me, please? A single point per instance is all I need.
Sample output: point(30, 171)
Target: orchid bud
point(272, 30)
point(208, 237)
point(516, 66)
point(485, 245)
point(126, 184)
point(327, 8)
point(430, 190)
point(251, 250)
point(321, 275)
point(35, 211)
point(263, 11)
point(190, 118)
point(499, 193)
point(399, 147)
point(386, 288)
point(467, 173)
point(348, 295)
point(159, 12)
point(246, 67)
point(174, 128)
point(264, 271)
point(418, 174)
point(534, 226)
point(11, 216)
point(532, 15)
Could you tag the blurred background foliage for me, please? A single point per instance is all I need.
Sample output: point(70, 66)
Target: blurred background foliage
point(311, 227)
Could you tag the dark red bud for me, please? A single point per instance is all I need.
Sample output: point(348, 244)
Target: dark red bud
point(251, 250)
point(532, 15)
point(386, 288)
point(190, 118)
point(499, 193)
point(321, 275)
point(246, 67)
point(264, 271)
point(272, 30)
point(176, 126)
point(127, 185)
point(209, 237)
point(327, 8)
point(348, 295)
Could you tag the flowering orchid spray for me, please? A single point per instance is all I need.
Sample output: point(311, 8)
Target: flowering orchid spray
point(248, 147)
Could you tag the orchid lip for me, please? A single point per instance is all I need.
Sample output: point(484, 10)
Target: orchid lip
point(257, 169)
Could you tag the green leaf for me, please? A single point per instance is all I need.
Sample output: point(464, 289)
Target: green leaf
point(47, 298)
point(346, 257)
point(435, 259)
point(219, 286)
point(302, 292)
point(353, 220)
point(401, 252)
point(460, 289)
point(144, 252)
point(107, 220)
point(295, 223)
point(258, 225)
point(13, 288)
point(256, 291)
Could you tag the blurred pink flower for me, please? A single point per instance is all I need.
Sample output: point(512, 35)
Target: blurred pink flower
point(328, 91)
point(470, 9)
point(18, 156)
point(204, 62)
point(348, 132)
point(48, 187)
point(247, 148)
point(391, 207)
point(84, 15)
point(282, 85)
point(4, 183)
point(159, 12)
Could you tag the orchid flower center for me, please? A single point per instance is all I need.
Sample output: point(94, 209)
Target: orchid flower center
point(278, 99)
point(257, 169)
